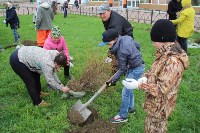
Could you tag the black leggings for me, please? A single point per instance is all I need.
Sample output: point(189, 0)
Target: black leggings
point(31, 79)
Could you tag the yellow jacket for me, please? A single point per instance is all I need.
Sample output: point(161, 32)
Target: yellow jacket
point(185, 23)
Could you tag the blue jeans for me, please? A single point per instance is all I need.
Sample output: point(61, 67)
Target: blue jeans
point(16, 36)
point(127, 94)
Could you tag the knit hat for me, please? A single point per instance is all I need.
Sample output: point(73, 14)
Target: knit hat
point(108, 36)
point(55, 32)
point(103, 8)
point(163, 31)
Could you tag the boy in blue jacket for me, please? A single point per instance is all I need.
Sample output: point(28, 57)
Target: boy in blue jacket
point(130, 61)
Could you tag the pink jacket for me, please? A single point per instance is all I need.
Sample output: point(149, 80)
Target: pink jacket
point(59, 46)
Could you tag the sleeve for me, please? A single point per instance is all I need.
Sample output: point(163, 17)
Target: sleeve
point(180, 19)
point(170, 10)
point(51, 77)
point(38, 18)
point(52, 15)
point(122, 68)
point(47, 45)
point(66, 51)
point(167, 78)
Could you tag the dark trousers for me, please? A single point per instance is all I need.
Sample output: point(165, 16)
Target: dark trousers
point(65, 12)
point(31, 79)
point(183, 42)
point(66, 70)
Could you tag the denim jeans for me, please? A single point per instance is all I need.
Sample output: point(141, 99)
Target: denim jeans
point(127, 94)
point(16, 36)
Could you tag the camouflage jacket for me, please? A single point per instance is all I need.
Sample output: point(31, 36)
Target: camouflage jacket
point(164, 78)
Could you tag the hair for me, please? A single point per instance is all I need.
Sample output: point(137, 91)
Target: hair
point(61, 59)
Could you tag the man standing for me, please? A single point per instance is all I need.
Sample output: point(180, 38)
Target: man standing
point(43, 22)
point(174, 7)
point(112, 20)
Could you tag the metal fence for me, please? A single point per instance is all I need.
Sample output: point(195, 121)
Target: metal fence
point(136, 15)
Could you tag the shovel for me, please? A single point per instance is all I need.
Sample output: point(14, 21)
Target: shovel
point(82, 108)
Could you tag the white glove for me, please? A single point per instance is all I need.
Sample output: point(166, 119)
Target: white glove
point(130, 83)
point(71, 65)
point(4, 21)
point(142, 80)
point(108, 60)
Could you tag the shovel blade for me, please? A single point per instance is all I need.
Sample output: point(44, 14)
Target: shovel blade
point(80, 107)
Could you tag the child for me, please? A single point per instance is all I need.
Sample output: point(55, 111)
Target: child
point(185, 23)
point(162, 81)
point(13, 20)
point(57, 42)
point(130, 61)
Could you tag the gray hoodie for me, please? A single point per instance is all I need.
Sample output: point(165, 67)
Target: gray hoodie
point(44, 17)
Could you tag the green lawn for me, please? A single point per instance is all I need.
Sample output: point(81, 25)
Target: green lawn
point(83, 33)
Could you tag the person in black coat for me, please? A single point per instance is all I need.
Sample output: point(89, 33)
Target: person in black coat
point(174, 7)
point(112, 20)
point(13, 20)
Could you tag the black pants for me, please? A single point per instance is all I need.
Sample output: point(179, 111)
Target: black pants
point(31, 79)
point(183, 42)
point(66, 70)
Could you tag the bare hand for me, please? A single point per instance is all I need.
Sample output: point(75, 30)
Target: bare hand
point(65, 89)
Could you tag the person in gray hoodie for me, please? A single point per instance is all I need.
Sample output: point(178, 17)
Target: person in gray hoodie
point(130, 61)
point(43, 22)
point(29, 62)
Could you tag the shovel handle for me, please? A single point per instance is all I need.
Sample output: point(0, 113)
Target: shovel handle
point(97, 93)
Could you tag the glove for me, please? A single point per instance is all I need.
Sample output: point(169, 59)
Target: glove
point(110, 83)
point(130, 83)
point(71, 65)
point(108, 60)
point(142, 80)
point(4, 21)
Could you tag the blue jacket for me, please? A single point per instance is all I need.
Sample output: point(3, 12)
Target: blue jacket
point(127, 52)
point(12, 18)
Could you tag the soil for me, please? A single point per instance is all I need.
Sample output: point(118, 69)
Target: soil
point(29, 43)
point(93, 77)
point(197, 41)
point(98, 126)
point(75, 117)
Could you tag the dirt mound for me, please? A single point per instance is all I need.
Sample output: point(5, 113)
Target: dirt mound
point(99, 126)
point(29, 43)
point(93, 77)
point(75, 117)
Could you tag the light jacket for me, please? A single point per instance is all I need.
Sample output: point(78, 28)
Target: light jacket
point(163, 80)
point(185, 23)
point(61, 45)
point(41, 61)
point(127, 52)
point(44, 17)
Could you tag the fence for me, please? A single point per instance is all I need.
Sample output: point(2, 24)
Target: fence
point(136, 15)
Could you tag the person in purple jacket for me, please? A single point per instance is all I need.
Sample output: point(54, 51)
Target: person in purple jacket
point(56, 41)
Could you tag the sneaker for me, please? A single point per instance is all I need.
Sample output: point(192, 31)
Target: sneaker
point(43, 104)
point(43, 94)
point(118, 119)
point(131, 111)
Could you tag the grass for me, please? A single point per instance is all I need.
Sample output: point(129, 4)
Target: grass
point(83, 33)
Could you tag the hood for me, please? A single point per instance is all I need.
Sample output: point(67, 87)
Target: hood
point(50, 40)
point(45, 5)
point(175, 50)
point(180, 54)
point(185, 3)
